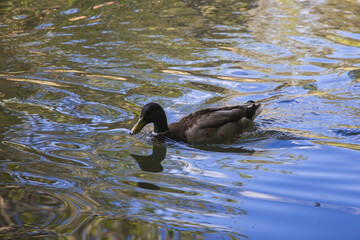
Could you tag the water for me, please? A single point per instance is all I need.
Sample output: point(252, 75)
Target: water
point(75, 74)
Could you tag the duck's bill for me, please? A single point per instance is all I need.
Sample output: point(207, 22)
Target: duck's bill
point(138, 126)
point(259, 109)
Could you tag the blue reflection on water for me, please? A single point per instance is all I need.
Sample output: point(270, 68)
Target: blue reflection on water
point(71, 90)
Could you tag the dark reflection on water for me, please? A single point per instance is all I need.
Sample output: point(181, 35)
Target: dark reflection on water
point(74, 76)
point(152, 163)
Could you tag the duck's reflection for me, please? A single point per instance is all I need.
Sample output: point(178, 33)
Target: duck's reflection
point(152, 163)
point(147, 185)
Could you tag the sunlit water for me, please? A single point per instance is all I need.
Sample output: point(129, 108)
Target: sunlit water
point(74, 76)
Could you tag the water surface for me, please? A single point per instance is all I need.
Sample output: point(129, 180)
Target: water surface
point(75, 74)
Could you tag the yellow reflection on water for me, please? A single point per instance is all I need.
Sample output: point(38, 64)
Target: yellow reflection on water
point(41, 82)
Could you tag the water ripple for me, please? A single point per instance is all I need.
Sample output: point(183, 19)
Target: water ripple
point(73, 79)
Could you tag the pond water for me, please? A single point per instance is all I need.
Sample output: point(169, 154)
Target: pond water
point(75, 74)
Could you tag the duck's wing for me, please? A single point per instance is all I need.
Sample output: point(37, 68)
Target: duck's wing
point(205, 118)
point(217, 117)
point(208, 123)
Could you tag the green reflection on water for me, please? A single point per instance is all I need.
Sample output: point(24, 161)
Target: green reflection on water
point(75, 74)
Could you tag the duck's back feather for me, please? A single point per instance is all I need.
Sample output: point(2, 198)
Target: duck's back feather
point(217, 117)
point(210, 124)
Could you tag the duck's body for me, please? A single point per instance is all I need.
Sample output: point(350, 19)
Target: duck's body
point(210, 125)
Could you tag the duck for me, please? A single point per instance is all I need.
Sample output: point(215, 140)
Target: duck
point(208, 125)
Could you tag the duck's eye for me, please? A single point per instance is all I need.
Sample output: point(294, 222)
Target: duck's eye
point(251, 101)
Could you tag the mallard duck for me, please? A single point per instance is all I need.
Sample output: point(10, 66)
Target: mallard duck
point(209, 125)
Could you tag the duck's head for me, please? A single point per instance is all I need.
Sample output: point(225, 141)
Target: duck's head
point(151, 113)
point(253, 109)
